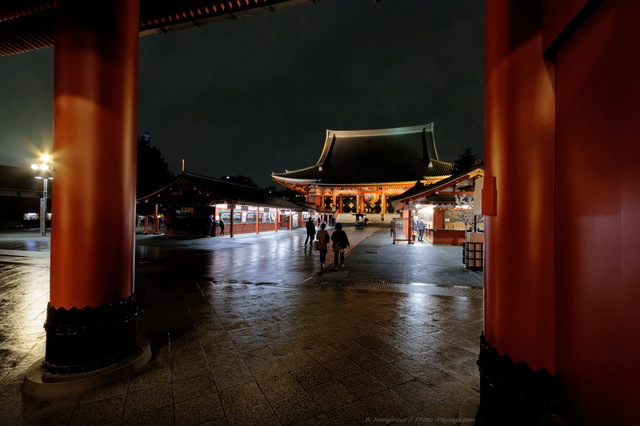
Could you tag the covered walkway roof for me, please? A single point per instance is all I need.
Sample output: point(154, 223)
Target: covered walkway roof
point(198, 190)
point(29, 24)
point(421, 191)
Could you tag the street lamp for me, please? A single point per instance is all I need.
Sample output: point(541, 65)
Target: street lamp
point(43, 171)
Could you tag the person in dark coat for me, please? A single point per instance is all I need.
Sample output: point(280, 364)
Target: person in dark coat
point(210, 223)
point(323, 242)
point(221, 227)
point(311, 232)
point(340, 244)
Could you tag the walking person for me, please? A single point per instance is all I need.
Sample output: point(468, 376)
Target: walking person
point(311, 232)
point(323, 241)
point(221, 226)
point(421, 226)
point(339, 246)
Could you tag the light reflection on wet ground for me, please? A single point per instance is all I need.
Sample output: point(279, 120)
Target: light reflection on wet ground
point(241, 312)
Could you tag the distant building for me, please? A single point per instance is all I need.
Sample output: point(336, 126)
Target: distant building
point(20, 195)
point(191, 201)
point(359, 170)
point(442, 206)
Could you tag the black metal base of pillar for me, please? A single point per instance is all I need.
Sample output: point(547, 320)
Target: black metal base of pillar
point(83, 340)
point(514, 394)
point(40, 384)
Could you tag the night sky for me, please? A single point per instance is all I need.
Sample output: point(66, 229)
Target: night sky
point(256, 95)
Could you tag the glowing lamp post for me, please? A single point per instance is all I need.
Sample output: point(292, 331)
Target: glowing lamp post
point(43, 171)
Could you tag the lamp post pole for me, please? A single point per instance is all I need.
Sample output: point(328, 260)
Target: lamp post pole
point(43, 171)
point(43, 207)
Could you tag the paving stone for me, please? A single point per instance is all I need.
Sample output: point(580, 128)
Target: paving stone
point(331, 395)
point(296, 408)
point(198, 411)
point(245, 339)
point(100, 411)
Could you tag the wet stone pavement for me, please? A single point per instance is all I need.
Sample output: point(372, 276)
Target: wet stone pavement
point(250, 331)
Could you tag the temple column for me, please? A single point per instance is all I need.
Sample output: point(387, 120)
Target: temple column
point(92, 307)
point(156, 220)
point(438, 218)
point(383, 205)
point(231, 223)
point(214, 226)
point(333, 200)
point(258, 220)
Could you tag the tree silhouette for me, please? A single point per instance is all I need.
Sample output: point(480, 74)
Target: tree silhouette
point(466, 159)
point(152, 169)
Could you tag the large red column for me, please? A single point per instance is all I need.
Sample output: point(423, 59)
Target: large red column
point(518, 351)
point(597, 250)
point(91, 313)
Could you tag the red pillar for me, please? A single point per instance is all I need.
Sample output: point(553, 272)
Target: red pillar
point(519, 269)
point(258, 220)
point(156, 220)
point(333, 200)
point(214, 226)
point(92, 244)
point(438, 218)
point(520, 156)
point(597, 275)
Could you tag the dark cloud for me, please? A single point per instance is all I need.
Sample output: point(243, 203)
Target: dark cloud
point(255, 95)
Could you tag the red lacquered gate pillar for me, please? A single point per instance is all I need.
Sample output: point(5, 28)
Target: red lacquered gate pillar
point(91, 314)
point(517, 355)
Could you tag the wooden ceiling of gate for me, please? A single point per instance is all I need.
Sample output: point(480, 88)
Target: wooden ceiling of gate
point(29, 24)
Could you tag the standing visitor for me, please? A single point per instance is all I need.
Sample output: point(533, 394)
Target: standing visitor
point(210, 223)
point(421, 227)
point(311, 232)
point(340, 244)
point(221, 226)
point(323, 240)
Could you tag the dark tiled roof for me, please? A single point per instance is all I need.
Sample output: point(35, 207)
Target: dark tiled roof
point(420, 190)
point(373, 156)
point(195, 189)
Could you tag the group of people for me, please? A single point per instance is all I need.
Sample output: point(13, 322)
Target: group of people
point(338, 239)
point(211, 226)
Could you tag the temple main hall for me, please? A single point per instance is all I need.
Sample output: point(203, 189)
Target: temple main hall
point(358, 170)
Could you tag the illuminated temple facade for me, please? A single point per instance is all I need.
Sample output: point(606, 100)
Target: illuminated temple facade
point(358, 170)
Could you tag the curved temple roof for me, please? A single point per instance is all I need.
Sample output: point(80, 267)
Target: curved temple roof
point(403, 154)
point(29, 24)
